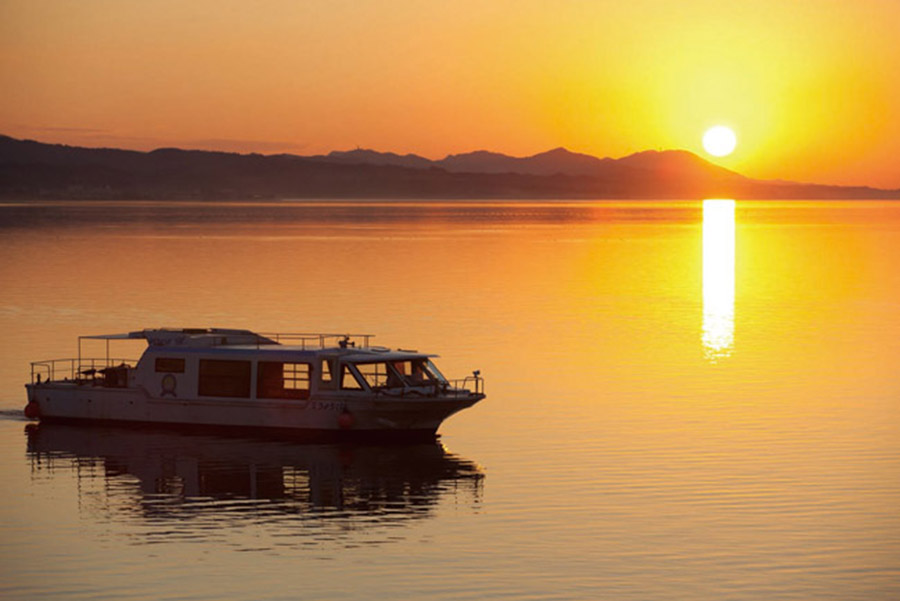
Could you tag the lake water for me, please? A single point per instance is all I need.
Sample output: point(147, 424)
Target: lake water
point(695, 400)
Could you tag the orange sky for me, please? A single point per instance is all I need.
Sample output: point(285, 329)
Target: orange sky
point(810, 86)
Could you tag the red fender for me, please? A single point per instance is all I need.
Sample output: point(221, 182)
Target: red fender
point(346, 420)
point(32, 410)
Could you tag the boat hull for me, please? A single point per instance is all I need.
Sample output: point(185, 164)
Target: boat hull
point(417, 416)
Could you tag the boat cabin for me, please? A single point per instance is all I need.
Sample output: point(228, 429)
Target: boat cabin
point(239, 364)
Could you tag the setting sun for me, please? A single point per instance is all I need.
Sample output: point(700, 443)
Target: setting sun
point(719, 141)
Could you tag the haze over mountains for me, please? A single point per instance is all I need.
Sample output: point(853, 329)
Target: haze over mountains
point(34, 170)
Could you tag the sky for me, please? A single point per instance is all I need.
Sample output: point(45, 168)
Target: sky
point(809, 86)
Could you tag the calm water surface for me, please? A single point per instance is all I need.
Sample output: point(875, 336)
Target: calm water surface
point(694, 400)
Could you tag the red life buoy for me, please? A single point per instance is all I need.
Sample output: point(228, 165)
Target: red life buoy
point(32, 410)
point(346, 420)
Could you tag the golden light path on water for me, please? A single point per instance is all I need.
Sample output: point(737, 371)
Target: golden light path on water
point(718, 278)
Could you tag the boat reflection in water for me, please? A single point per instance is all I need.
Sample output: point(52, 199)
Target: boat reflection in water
point(217, 486)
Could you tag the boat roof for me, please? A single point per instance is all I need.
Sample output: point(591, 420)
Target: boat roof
point(280, 352)
point(188, 337)
point(354, 346)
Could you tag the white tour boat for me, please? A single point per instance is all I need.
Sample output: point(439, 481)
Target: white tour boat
point(239, 379)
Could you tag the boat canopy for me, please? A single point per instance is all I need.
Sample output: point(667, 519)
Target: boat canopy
point(204, 337)
point(188, 337)
point(200, 337)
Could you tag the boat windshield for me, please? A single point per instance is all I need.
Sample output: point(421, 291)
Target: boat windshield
point(396, 374)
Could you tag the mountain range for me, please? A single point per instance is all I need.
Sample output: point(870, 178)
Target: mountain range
point(35, 170)
point(558, 161)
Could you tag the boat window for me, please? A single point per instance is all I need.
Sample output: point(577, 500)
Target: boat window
point(376, 375)
point(277, 380)
point(172, 365)
point(415, 372)
point(432, 369)
point(325, 372)
point(348, 379)
point(224, 378)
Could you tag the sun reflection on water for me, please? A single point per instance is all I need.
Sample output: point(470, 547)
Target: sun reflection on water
point(718, 278)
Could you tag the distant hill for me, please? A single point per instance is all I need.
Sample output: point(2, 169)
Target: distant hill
point(34, 170)
point(553, 162)
point(371, 157)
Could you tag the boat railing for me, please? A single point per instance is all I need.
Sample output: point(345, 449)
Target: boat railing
point(312, 341)
point(76, 369)
point(473, 384)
